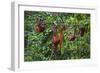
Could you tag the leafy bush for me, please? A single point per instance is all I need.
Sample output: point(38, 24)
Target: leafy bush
point(38, 43)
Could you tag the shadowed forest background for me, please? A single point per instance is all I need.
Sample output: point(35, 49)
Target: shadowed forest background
point(56, 36)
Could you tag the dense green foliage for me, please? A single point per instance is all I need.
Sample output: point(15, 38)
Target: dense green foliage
point(38, 46)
